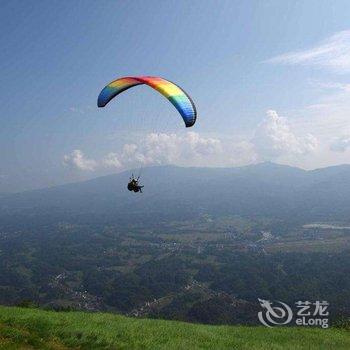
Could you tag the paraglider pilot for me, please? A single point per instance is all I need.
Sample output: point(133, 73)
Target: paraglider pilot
point(133, 184)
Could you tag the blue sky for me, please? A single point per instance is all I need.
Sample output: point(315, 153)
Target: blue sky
point(270, 80)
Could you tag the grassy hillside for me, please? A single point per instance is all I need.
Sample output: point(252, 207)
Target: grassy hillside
point(38, 329)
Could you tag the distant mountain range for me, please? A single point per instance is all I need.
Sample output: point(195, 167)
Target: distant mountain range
point(173, 193)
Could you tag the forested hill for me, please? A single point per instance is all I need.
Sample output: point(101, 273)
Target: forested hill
point(265, 190)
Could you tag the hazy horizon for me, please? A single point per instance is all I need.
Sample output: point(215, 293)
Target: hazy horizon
point(136, 171)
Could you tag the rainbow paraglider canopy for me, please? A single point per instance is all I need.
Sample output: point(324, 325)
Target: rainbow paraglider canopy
point(177, 96)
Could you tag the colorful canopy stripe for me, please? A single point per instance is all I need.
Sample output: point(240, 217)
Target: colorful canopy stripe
point(179, 98)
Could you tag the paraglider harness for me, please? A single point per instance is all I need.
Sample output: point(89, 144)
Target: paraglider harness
point(133, 184)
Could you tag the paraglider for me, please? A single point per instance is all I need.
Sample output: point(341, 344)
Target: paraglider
point(176, 95)
point(134, 185)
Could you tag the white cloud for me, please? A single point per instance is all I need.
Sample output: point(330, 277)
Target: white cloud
point(240, 153)
point(333, 53)
point(340, 144)
point(167, 148)
point(112, 161)
point(328, 115)
point(157, 149)
point(76, 159)
point(162, 148)
point(274, 138)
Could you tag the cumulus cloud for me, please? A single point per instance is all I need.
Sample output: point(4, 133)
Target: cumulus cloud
point(333, 53)
point(340, 144)
point(274, 138)
point(167, 148)
point(157, 149)
point(162, 148)
point(111, 160)
point(77, 160)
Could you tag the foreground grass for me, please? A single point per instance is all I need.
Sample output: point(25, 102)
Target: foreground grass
point(38, 329)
